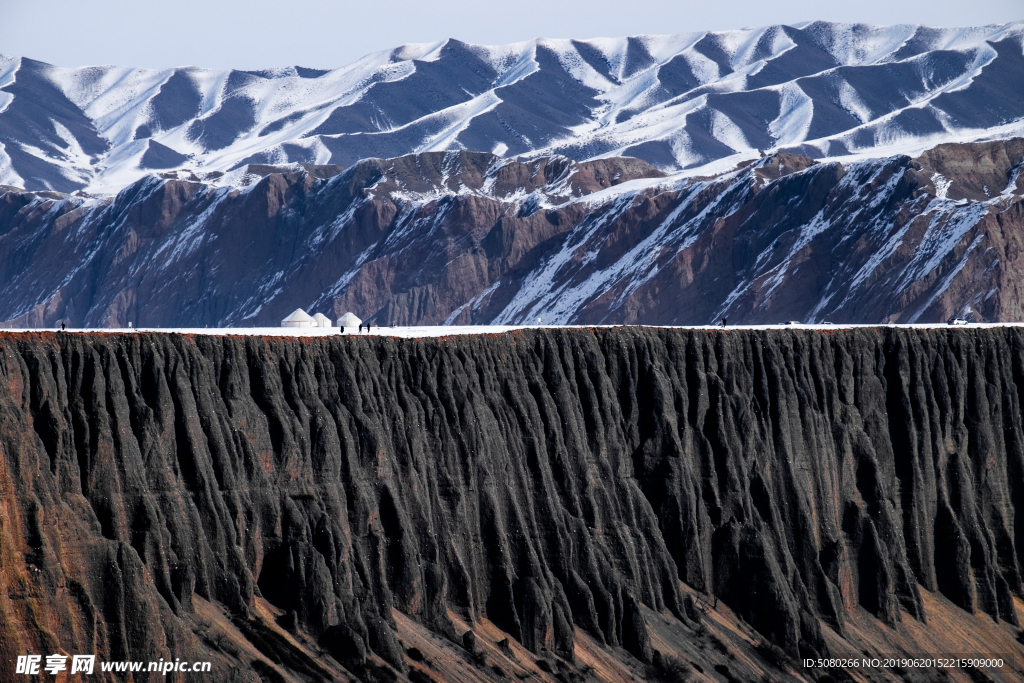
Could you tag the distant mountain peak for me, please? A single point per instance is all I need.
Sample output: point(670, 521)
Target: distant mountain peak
point(825, 90)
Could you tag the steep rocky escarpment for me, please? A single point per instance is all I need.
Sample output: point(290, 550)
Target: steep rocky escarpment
point(471, 238)
point(305, 509)
point(419, 235)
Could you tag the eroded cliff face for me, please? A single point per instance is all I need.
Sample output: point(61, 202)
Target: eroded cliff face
point(565, 487)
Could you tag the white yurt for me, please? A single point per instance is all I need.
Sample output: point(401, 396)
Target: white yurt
point(299, 318)
point(322, 320)
point(349, 322)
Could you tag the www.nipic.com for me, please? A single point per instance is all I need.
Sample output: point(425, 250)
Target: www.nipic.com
point(33, 665)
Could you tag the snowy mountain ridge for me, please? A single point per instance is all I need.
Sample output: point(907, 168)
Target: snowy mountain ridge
point(457, 238)
point(677, 101)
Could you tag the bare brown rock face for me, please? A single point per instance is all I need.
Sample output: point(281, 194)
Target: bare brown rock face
point(591, 504)
point(979, 171)
point(471, 238)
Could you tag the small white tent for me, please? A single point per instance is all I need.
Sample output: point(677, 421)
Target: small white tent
point(349, 322)
point(322, 320)
point(299, 318)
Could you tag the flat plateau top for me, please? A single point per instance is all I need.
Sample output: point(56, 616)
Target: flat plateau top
point(447, 330)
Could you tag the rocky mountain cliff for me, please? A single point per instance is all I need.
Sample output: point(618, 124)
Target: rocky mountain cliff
point(470, 238)
point(568, 505)
point(676, 101)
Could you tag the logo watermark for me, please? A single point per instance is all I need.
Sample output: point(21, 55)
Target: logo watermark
point(33, 665)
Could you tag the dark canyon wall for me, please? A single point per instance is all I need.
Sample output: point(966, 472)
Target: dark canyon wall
point(554, 482)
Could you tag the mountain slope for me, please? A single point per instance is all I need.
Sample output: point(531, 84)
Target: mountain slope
point(676, 101)
point(472, 238)
point(587, 505)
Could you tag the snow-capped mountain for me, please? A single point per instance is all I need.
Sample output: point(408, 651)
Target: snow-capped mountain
point(471, 238)
point(825, 90)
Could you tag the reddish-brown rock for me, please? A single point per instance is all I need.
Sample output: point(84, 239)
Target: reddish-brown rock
point(471, 238)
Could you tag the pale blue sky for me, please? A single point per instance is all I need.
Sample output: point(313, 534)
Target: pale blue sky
point(332, 33)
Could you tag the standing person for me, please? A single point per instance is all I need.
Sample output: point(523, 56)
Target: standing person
point(723, 322)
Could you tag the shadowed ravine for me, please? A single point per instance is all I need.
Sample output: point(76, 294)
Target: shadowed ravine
point(292, 508)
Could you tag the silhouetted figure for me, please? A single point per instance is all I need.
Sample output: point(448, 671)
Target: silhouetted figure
point(360, 328)
point(723, 322)
point(62, 327)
